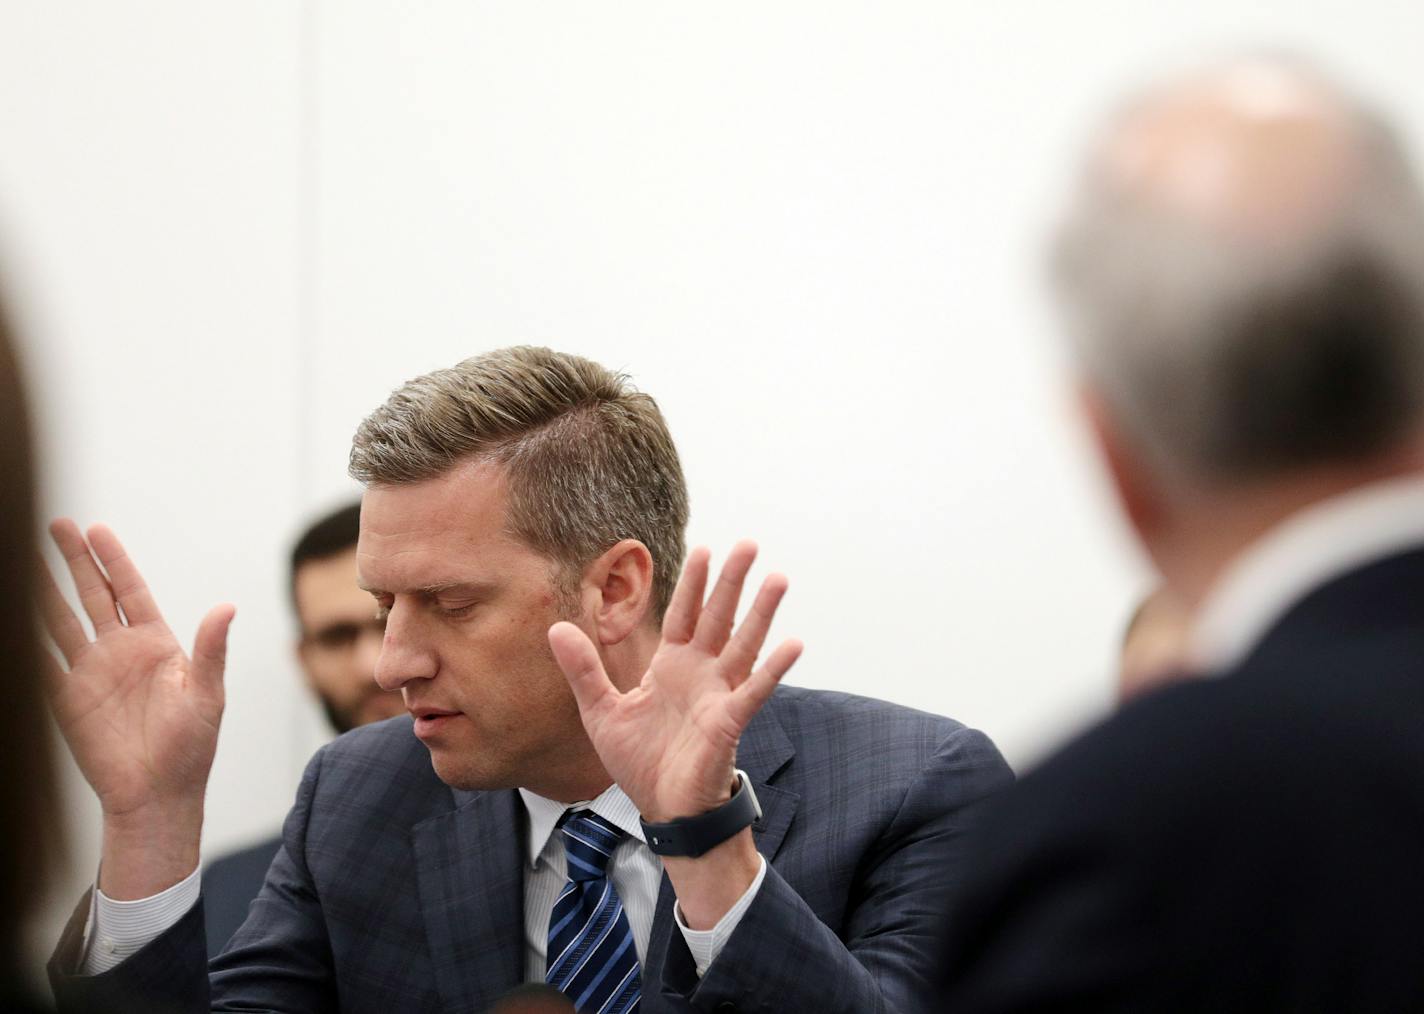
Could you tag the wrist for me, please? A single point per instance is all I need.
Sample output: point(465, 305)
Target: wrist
point(695, 835)
point(147, 851)
point(708, 886)
point(692, 805)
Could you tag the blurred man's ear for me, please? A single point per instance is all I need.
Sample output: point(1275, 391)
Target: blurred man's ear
point(622, 579)
point(1132, 481)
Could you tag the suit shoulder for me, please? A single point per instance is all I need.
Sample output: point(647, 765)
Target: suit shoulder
point(1168, 734)
point(834, 729)
point(1266, 747)
point(388, 743)
point(379, 766)
point(803, 708)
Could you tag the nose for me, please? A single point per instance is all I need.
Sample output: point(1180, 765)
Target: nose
point(405, 654)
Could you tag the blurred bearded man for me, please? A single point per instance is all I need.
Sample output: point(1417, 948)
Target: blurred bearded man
point(339, 640)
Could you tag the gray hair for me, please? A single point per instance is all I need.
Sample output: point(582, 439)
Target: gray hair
point(588, 457)
point(1227, 360)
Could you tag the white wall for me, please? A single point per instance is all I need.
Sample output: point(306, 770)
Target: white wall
point(811, 230)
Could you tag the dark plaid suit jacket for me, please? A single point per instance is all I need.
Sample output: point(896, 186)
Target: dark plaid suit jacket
point(395, 893)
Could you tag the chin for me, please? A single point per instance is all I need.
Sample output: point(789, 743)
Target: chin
point(458, 773)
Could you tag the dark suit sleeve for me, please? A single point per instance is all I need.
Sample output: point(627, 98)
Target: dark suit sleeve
point(280, 960)
point(783, 958)
point(166, 975)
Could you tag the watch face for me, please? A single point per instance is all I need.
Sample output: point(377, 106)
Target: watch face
point(747, 786)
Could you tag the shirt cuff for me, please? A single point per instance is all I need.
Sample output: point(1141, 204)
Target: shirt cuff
point(705, 945)
point(119, 929)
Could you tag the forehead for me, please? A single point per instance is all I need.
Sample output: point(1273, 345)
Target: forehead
point(328, 584)
point(444, 530)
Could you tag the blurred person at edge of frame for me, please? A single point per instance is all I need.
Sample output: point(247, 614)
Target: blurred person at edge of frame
point(338, 643)
point(1244, 274)
point(30, 826)
point(28, 811)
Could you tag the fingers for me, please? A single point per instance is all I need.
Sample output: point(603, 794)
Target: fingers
point(579, 660)
point(94, 592)
point(125, 581)
point(742, 651)
point(63, 626)
point(210, 645)
point(680, 620)
point(748, 698)
point(714, 626)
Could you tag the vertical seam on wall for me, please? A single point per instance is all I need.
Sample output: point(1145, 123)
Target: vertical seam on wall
point(308, 315)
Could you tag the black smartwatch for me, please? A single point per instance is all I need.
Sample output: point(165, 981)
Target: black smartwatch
point(692, 836)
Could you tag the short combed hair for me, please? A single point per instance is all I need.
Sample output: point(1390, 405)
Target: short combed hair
point(588, 458)
point(1228, 361)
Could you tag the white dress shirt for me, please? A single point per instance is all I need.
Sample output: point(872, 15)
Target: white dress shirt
point(637, 876)
point(1303, 552)
point(118, 929)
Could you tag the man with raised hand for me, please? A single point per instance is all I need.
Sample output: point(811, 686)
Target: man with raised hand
point(1245, 274)
point(674, 833)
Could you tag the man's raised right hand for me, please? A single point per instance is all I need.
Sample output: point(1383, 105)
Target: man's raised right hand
point(140, 717)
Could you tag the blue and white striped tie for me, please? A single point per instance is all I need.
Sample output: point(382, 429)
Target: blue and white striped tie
point(592, 959)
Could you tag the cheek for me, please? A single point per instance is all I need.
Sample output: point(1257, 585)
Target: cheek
point(322, 675)
point(339, 684)
point(506, 665)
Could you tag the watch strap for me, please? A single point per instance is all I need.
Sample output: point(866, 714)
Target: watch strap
point(693, 836)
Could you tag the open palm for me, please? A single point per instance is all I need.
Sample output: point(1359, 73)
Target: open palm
point(139, 715)
point(671, 741)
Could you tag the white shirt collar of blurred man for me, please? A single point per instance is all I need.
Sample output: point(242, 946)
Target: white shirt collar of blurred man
point(1308, 549)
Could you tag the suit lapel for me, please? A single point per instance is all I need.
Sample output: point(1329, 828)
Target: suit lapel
point(470, 870)
point(764, 751)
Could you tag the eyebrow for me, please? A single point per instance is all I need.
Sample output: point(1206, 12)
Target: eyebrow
point(472, 587)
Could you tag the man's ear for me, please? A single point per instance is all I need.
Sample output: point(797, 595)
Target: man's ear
point(622, 580)
point(1131, 479)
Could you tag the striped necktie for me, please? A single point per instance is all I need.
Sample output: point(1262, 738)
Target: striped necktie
point(592, 959)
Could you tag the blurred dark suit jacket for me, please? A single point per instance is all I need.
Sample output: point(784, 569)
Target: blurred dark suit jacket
point(393, 892)
point(1253, 842)
point(230, 883)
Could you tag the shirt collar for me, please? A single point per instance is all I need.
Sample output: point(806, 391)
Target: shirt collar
point(1312, 546)
point(612, 804)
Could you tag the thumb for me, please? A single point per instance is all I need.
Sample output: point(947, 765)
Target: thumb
point(582, 667)
point(210, 646)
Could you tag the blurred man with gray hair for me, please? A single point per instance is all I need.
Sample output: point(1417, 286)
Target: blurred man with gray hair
point(1244, 275)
